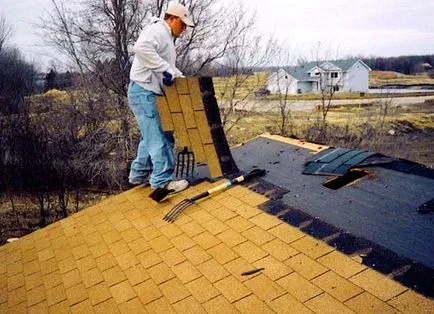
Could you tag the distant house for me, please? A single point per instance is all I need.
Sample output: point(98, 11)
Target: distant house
point(341, 75)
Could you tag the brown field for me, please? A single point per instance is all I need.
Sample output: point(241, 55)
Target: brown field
point(407, 131)
point(246, 85)
point(380, 78)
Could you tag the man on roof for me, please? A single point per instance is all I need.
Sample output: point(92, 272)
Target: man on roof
point(154, 65)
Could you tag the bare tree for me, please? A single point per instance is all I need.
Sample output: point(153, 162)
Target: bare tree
point(5, 32)
point(235, 57)
point(98, 36)
point(237, 93)
point(283, 84)
point(326, 79)
point(17, 80)
point(17, 75)
point(286, 123)
point(220, 28)
point(327, 82)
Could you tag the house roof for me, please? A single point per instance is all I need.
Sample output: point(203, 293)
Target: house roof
point(301, 72)
point(120, 256)
point(379, 213)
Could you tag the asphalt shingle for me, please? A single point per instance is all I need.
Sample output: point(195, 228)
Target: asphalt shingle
point(119, 256)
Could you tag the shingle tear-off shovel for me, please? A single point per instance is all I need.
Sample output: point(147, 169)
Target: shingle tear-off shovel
point(181, 206)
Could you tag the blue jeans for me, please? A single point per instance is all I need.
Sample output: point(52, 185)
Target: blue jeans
point(155, 153)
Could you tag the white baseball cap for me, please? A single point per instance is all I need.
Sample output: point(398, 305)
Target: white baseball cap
point(177, 9)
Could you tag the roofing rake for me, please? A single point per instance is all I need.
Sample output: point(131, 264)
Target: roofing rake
point(185, 157)
point(181, 206)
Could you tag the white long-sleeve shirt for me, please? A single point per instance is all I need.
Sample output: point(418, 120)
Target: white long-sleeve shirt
point(154, 53)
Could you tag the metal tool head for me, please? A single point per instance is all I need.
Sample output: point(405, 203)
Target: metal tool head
point(177, 210)
point(185, 163)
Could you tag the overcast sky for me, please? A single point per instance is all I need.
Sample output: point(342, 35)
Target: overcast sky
point(356, 27)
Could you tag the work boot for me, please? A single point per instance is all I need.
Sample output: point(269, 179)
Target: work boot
point(177, 186)
point(172, 187)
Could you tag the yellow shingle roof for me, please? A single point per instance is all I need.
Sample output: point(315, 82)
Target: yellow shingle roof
point(120, 256)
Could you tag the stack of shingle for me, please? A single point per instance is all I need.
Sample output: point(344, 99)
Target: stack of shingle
point(189, 108)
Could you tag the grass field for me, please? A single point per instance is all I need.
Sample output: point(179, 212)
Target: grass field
point(244, 86)
point(381, 78)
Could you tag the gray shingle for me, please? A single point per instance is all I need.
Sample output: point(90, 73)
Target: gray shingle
point(301, 72)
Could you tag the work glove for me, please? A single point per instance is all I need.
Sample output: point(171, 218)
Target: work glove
point(167, 78)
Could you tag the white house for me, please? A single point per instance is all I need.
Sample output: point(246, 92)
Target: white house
point(341, 75)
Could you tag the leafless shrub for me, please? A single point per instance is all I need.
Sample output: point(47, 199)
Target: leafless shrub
point(237, 93)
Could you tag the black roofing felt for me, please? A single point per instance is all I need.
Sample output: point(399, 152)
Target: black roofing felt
point(376, 216)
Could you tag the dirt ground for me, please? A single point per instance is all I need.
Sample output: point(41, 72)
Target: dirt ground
point(418, 147)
